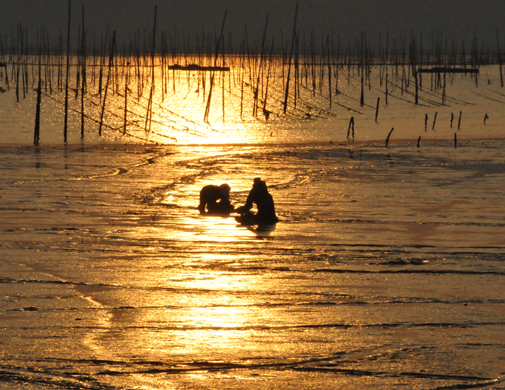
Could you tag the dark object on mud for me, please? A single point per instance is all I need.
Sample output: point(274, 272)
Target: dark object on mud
point(200, 68)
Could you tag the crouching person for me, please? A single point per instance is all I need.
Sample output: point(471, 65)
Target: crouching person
point(215, 199)
point(260, 196)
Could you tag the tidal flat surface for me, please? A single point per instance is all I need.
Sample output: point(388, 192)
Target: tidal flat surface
point(386, 269)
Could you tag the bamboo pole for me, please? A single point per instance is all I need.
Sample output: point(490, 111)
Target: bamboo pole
point(83, 71)
point(286, 95)
point(149, 112)
point(207, 107)
point(389, 135)
point(377, 109)
point(65, 123)
point(111, 61)
point(36, 136)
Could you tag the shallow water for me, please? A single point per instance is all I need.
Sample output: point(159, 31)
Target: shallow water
point(385, 270)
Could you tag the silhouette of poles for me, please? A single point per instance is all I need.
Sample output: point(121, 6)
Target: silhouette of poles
point(499, 56)
point(36, 135)
point(389, 135)
point(149, 113)
point(377, 109)
point(256, 89)
point(351, 127)
point(83, 71)
point(127, 77)
point(111, 61)
point(286, 95)
point(207, 107)
point(266, 113)
point(65, 123)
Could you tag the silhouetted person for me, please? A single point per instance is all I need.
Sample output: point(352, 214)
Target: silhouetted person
point(264, 202)
point(209, 196)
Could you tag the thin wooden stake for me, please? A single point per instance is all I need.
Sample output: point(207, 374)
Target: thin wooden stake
point(351, 126)
point(387, 139)
point(377, 109)
point(65, 123)
point(36, 136)
point(83, 70)
point(111, 61)
point(286, 95)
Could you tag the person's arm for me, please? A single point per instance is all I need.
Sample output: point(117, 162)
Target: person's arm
point(248, 204)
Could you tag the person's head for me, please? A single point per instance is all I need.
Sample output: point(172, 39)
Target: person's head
point(258, 183)
point(225, 189)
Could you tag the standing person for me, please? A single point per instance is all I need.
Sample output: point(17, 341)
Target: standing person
point(264, 202)
point(209, 196)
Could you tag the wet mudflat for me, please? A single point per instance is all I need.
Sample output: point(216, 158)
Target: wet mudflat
point(386, 268)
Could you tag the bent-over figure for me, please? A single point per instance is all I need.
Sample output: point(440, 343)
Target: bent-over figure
point(209, 197)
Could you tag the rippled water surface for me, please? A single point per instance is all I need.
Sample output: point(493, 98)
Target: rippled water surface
point(385, 270)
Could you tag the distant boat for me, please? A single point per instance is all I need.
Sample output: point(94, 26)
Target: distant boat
point(448, 70)
point(200, 68)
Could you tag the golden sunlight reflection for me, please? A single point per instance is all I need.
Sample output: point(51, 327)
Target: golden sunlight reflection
point(181, 110)
point(182, 114)
point(198, 318)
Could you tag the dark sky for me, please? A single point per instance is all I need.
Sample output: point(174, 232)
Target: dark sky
point(456, 19)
